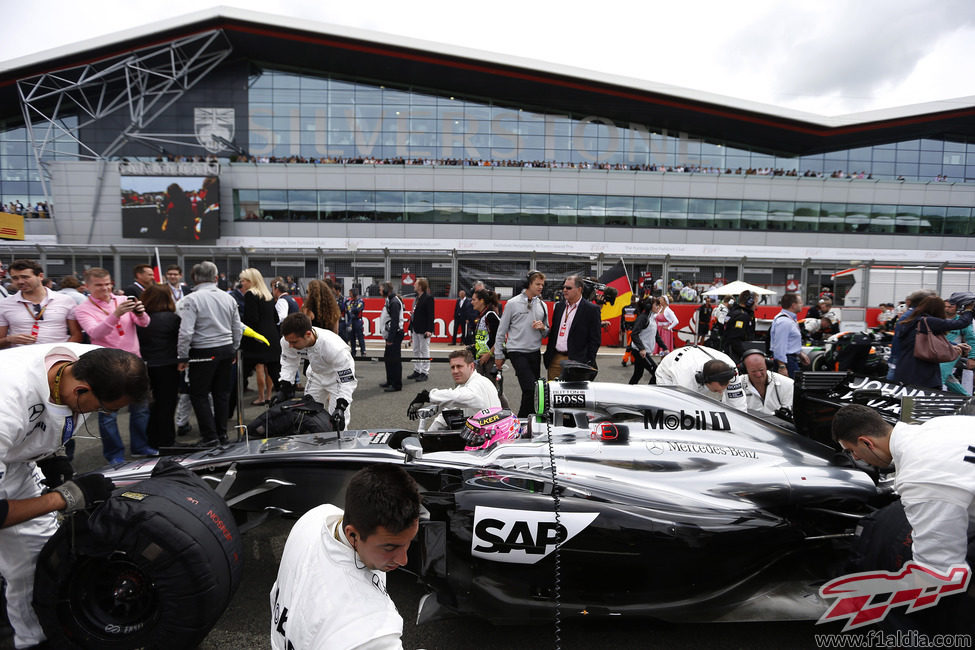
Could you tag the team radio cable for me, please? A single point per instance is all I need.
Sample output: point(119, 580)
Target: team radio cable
point(541, 391)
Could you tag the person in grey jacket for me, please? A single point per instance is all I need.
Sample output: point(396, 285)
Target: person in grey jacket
point(209, 335)
point(524, 324)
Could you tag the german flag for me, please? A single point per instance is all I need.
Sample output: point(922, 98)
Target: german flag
point(616, 278)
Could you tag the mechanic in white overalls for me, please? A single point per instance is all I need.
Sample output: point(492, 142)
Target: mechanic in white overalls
point(706, 371)
point(472, 393)
point(330, 590)
point(766, 391)
point(46, 388)
point(331, 367)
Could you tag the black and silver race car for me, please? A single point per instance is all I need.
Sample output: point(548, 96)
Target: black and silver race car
point(619, 500)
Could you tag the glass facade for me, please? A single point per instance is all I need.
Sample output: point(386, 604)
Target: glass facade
point(20, 181)
point(594, 210)
point(322, 119)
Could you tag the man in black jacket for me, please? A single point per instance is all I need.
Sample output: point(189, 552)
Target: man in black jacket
point(740, 326)
point(421, 328)
point(576, 332)
point(391, 328)
point(460, 318)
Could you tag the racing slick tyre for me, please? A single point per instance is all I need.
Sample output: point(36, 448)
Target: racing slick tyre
point(883, 542)
point(155, 566)
point(820, 363)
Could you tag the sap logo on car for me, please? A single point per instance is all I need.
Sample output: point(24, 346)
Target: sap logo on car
point(569, 399)
point(695, 420)
point(523, 536)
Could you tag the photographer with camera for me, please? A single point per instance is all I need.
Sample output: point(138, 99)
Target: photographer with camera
point(110, 321)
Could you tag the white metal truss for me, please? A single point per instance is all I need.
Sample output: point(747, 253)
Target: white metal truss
point(145, 82)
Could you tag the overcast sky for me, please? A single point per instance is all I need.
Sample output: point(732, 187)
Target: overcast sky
point(825, 57)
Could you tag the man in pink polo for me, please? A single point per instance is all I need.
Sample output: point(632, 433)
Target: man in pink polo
point(35, 314)
point(110, 322)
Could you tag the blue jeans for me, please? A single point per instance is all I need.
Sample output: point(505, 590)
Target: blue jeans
point(112, 446)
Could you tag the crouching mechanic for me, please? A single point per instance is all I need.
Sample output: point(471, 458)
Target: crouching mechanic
point(331, 585)
point(331, 368)
point(45, 390)
point(705, 371)
point(766, 391)
point(935, 478)
point(472, 393)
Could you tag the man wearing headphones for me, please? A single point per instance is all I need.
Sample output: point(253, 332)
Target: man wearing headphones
point(331, 586)
point(45, 390)
point(523, 326)
point(766, 390)
point(705, 371)
point(740, 326)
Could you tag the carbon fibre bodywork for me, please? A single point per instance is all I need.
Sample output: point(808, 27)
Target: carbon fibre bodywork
point(669, 506)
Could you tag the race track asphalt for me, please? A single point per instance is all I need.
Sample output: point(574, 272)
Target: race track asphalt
point(246, 623)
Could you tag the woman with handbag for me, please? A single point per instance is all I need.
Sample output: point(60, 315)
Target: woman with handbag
point(920, 338)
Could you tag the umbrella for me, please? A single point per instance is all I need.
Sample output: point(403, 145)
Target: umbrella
point(735, 288)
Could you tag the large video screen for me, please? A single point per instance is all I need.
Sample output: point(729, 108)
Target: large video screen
point(174, 208)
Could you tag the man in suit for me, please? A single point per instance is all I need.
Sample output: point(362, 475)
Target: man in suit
point(576, 332)
point(460, 318)
point(144, 277)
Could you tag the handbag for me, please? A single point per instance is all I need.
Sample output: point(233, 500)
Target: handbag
point(932, 347)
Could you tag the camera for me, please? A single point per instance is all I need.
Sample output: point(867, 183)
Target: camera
point(598, 293)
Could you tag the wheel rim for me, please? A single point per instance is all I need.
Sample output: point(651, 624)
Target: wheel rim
point(112, 597)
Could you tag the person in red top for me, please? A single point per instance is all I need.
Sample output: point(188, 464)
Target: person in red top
point(111, 322)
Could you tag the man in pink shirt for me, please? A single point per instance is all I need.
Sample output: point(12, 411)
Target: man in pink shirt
point(34, 314)
point(110, 322)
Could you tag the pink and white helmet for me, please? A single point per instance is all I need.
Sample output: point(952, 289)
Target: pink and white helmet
point(489, 426)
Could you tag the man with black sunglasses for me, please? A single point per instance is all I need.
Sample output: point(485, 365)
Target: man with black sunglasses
point(576, 332)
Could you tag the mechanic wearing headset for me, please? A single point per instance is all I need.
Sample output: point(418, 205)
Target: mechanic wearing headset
point(472, 393)
point(705, 371)
point(45, 389)
point(935, 475)
point(740, 326)
point(331, 586)
point(330, 372)
point(767, 391)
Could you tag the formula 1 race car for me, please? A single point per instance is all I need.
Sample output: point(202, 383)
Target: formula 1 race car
point(622, 500)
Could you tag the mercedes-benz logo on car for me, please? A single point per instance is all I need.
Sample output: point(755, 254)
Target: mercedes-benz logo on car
point(655, 448)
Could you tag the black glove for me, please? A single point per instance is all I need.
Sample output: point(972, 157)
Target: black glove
point(85, 491)
point(421, 398)
point(56, 470)
point(286, 390)
point(338, 415)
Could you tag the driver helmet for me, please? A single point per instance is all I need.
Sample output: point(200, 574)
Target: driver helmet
point(489, 426)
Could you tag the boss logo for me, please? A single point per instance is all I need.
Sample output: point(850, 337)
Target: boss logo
point(523, 536)
point(569, 399)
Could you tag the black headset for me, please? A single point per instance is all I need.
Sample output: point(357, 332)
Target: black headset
point(770, 364)
point(531, 276)
point(722, 376)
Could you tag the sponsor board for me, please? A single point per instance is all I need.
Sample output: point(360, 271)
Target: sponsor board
point(523, 536)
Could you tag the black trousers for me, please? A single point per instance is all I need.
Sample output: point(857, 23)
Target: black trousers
point(161, 430)
point(527, 367)
point(393, 358)
point(213, 375)
point(640, 364)
point(460, 331)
